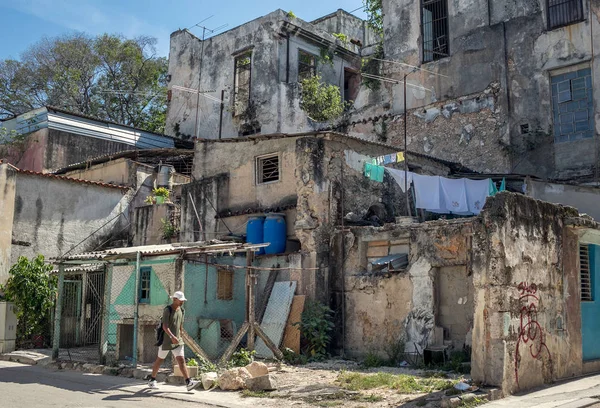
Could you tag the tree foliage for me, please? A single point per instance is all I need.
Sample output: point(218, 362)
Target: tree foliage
point(33, 290)
point(374, 13)
point(108, 77)
point(321, 102)
point(315, 327)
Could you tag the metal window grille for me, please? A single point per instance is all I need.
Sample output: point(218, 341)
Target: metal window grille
point(267, 169)
point(145, 285)
point(224, 284)
point(434, 29)
point(584, 268)
point(307, 65)
point(564, 12)
point(241, 86)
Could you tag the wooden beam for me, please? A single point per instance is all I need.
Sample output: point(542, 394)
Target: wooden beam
point(234, 343)
point(268, 341)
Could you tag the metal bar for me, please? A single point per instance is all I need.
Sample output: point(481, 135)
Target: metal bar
point(103, 344)
point(203, 237)
point(234, 343)
point(250, 281)
point(221, 112)
point(268, 341)
point(136, 295)
point(82, 321)
point(406, 151)
point(58, 312)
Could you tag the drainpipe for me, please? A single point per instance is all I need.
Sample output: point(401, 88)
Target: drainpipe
point(136, 313)
point(221, 112)
point(287, 59)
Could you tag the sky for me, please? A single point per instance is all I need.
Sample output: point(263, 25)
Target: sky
point(24, 22)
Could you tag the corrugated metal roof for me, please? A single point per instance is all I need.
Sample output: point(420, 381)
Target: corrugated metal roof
point(64, 178)
point(210, 247)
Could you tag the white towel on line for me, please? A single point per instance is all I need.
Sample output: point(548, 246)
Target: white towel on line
point(399, 176)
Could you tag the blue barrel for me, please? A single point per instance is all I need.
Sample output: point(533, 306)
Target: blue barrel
point(255, 231)
point(275, 232)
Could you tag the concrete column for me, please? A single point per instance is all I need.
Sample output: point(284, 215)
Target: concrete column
point(58, 312)
point(8, 178)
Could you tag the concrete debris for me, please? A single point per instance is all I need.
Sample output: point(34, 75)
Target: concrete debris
point(209, 380)
point(234, 379)
point(262, 383)
point(431, 115)
point(257, 369)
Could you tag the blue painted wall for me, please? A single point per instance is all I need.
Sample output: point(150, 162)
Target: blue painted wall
point(590, 311)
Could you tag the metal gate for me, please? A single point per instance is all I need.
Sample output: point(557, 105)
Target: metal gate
point(81, 318)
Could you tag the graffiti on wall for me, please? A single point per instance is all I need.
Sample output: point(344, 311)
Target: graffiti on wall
point(531, 334)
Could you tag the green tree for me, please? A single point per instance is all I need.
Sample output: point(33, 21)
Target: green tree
point(374, 13)
point(108, 77)
point(321, 102)
point(33, 290)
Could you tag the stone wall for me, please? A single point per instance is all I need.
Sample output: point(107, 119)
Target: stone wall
point(7, 209)
point(527, 329)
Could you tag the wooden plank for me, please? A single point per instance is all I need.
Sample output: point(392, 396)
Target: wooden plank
point(377, 252)
point(191, 343)
point(291, 336)
point(260, 311)
point(378, 243)
point(268, 341)
point(234, 343)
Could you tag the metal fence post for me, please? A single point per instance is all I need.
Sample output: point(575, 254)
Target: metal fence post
point(58, 312)
point(105, 313)
point(136, 309)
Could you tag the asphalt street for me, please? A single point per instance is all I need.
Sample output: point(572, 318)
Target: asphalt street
point(33, 386)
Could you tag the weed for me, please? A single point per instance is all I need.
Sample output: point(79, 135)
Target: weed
point(316, 326)
point(368, 398)
point(291, 15)
point(241, 358)
point(291, 357)
point(472, 403)
point(372, 360)
point(402, 383)
point(330, 404)
point(256, 394)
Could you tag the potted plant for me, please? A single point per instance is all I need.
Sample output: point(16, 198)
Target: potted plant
point(161, 194)
point(192, 367)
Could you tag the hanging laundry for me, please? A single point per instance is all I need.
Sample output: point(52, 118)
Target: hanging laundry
point(428, 193)
point(503, 185)
point(399, 177)
point(377, 173)
point(454, 194)
point(368, 169)
point(400, 157)
point(477, 192)
point(393, 157)
point(387, 159)
point(493, 190)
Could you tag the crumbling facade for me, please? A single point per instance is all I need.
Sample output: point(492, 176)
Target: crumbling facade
point(249, 76)
point(508, 85)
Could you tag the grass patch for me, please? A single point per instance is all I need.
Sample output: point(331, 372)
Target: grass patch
point(372, 360)
point(368, 398)
point(330, 404)
point(473, 403)
point(404, 384)
point(257, 394)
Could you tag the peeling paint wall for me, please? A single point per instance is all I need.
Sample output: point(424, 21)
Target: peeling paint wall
point(527, 328)
point(275, 41)
point(505, 46)
point(7, 209)
point(51, 216)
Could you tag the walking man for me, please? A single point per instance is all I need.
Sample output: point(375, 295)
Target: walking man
point(172, 324)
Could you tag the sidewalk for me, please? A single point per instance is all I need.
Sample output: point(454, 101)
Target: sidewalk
point(577, 393)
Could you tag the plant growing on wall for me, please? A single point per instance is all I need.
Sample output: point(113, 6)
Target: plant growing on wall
point(315, 327)
point(291, 15)
point(321, 102)
point(374, 13)
point(168, 229)
point(372, 65)
point(325, 56)
point(33, 290)
point(342, 37)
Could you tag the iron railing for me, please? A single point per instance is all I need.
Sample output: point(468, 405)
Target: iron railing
point(564, 12)
point(434, 29)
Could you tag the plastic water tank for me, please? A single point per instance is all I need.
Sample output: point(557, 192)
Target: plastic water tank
point(164, 177)
point(275, 232)
point(255, 231)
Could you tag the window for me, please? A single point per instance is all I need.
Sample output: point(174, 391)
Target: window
point(307, 65)
point(587, 294)
point(434, 29)
point(267, 169)
point(224, 284)
point(145, 274)
point(351, 85)
point(241, 86)
point(564, 12)
point(573, 106)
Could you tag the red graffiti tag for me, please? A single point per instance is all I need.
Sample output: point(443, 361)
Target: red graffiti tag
point(530, 331)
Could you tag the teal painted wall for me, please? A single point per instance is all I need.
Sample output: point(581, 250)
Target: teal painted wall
point(590, 311)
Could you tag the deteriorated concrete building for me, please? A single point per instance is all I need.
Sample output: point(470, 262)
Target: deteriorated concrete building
point(248, 77)
point(507, 86)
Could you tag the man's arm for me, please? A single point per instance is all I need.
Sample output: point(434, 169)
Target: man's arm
point(166, 318)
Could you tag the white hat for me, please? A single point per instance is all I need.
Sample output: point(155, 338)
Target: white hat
point(179, 295)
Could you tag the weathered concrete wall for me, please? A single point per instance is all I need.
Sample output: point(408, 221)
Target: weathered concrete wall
point(406, 310)
point(52, 215)
point(346, 23)
point(527, 329)
point(7, 209)
point(506, 44)
point(148, 224)
point(274, 93)
point(47, 149)
point(584, 198)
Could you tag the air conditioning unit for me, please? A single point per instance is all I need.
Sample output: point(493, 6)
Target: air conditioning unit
point(8, 327)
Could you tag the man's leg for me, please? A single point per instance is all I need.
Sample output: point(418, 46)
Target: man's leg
point(156, 366)
point(162, 354)
point(183, 367)
point(180, 357)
